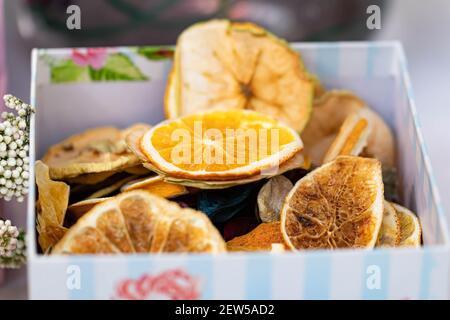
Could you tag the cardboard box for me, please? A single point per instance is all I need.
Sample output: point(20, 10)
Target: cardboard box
point(375, 71)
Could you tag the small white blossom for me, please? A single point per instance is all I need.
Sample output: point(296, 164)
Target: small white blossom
point(12, 245)
point(14, 137)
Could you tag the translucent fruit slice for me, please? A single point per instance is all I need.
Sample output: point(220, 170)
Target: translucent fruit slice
point(410, 229)
point(220, 145)
point(223, 64)
point(138, 221)
point(389, 235)
point(338, 205)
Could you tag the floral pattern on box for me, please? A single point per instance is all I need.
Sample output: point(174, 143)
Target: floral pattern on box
point(103, 64)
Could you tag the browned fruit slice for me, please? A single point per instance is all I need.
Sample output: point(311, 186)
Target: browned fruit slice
point(259, 239)
point(95, 150)
point(52, 203)
point(352, 136)
point(138, 221)
point(328, 115)
point(338, 205)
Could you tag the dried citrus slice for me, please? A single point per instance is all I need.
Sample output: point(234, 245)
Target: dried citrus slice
point(220, 145)
point(156, 185)
point(259, 239)
point(138, 221)
point(338, 205)
point(352, 136)
point(95, 150)
point(223, 64)
point(410, 229)
point(329, 113)
point(389, 235)
point(133, 141)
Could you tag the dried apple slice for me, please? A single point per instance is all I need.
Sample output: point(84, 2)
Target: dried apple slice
point(223, 64)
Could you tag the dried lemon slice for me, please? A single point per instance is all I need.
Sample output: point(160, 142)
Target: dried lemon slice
point(410, 229)
point(51, 207)
point(223, 64)
point(352, 136)
point(138, 221)
point(220, 145)
point(156, 185)
point(389, 235)
point(330, 112)
point(338, 205)
point(93, 151)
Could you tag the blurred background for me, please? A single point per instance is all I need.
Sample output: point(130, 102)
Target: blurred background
point(422, 27)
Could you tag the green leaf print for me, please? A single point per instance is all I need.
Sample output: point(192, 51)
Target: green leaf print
point(68, 71)
point(117, 67)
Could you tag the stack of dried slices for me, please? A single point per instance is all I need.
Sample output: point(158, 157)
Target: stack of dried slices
point(254, 155)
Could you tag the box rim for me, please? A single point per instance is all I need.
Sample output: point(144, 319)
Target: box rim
point(396, 45)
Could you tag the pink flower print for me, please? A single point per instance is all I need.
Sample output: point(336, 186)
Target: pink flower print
point(94, 57)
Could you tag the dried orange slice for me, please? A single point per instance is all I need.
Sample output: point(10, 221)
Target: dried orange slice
point(410, 229)
point(138, 221)
point(223, 64)
point(219, 145)
point(329, 113)
point(156, 185)
point(389, 235)
point(338, 205)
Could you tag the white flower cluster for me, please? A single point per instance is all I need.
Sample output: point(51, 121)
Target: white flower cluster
point(14, 147)
point(12, 245)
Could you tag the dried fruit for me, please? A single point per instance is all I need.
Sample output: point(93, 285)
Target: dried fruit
point(96, 150)
point(51, 204)
point(223, 64)
point(389, 235)
point(338, 205)
point(111, 188)
point(410, 229)
point(157, 186)
point(90, 178)
point(271, 198)
point(352, 136)
point(220, 145)
point(329, 112)
point(138, 221)
point(78, 209)
point(259, 239)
